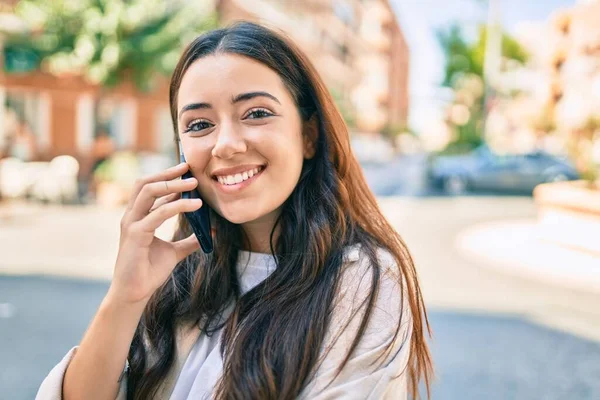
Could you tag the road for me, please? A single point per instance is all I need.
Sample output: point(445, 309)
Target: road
point(477, 356)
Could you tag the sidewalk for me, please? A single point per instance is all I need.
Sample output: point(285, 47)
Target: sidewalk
point(468, 252)
point(72, 241)
point(436, 232)
point(517, 247)
point(82, 242)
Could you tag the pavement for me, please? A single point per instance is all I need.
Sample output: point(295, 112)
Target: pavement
point(497, 333)
point(469, 257)
point(477, 355)
point(69, 241)
point(456, 273)
point(521, 247)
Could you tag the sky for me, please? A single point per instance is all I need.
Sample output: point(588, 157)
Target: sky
point(419, 20)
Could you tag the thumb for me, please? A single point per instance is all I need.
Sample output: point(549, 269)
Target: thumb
point(185, 247)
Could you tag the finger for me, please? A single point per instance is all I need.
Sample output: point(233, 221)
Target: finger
point(186, 246)
point(166, 175)
point(156, 218)
point(151, 191)
point(164, 200)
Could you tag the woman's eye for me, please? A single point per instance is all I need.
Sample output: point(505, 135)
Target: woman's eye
point(258, 113)
point(197, 126)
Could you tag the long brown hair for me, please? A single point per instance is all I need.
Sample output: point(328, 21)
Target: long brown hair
point(270, 349)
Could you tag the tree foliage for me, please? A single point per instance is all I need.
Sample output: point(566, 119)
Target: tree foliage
point(463, 57)
point(104, 40)
point(464, 74)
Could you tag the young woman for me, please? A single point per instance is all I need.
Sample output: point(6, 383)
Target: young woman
point(309, 292)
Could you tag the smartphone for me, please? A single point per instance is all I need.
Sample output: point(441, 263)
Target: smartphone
point(199, 220)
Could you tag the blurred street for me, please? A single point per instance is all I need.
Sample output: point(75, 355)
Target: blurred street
point(476, 123)
point(402, 176)
point(496, 336)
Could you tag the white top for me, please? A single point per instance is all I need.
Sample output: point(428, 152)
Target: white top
point(199, 364)
point(204, 363)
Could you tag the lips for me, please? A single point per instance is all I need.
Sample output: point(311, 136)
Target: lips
point(227, 189)
point(239, 177)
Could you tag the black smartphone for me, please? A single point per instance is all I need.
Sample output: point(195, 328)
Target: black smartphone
point(199, 220)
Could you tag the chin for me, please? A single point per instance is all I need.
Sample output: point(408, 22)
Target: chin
point(240, 216)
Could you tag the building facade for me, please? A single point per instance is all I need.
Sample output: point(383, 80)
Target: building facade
point(356, 45)
point(558, 102)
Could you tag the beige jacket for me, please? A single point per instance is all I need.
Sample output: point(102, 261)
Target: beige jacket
point(360, 378)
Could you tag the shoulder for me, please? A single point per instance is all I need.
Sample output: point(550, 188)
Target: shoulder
point(383, 350)
point(356, 255)
point(360, 270)
point(358, 288)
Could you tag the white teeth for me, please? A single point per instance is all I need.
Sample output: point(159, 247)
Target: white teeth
point(237, 178)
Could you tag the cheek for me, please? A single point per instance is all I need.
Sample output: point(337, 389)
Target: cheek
point(198, 157)
point(284, 144)
point(286, 159)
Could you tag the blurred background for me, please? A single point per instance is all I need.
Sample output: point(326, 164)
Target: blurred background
point(477, 124)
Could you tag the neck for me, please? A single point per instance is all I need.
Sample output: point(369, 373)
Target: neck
point(259, 233)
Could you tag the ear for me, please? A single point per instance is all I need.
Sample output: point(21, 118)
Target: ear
point(310, 135)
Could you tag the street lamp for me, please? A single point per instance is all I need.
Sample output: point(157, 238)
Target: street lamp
point(493, 54)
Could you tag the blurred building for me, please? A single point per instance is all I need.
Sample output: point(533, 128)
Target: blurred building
point(357, 46)
point(559, 88)
point(65, 113)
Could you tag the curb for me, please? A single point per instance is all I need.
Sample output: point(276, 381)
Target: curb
point(516, 247)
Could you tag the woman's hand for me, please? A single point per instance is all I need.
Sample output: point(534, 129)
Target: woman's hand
point(144, 262)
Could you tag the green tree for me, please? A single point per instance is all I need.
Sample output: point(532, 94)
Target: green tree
point(104, 40)
point(344, 105)
point(464, 64)
point(464, 58)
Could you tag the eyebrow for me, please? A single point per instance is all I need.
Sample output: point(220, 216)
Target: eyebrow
point(236, 99)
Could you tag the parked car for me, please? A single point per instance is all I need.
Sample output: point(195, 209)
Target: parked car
point(484, 170)
point(371, 149)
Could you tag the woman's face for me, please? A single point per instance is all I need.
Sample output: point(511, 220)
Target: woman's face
point(242, 136)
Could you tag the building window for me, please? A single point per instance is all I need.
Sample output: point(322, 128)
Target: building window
point(344, 11)
point(343, 51)
point(113, 116)
point(21, 126)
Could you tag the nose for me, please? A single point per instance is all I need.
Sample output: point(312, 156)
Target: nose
point(229, 142)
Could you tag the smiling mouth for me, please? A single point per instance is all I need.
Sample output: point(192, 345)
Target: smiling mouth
point(234, 179)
